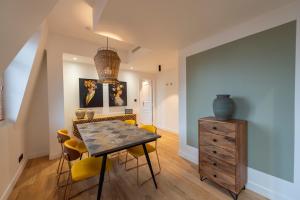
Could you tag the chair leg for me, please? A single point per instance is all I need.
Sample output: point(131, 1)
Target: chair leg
point(149, 164)
point(137, 171)
point(158, 161)
point(108, 173)
point(126, 160)
point(67, 186)
point(60, 172)
point(61, 156)
point(69, 193)
point(120, 162)
point(85, 190)
point(157, 173)
point(118, 154)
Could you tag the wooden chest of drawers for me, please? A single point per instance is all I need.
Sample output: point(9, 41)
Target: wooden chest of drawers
point(223, 153)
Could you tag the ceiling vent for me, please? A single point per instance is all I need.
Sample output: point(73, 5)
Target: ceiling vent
point(136, 49)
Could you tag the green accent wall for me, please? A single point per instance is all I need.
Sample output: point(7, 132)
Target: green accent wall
point(259, 72)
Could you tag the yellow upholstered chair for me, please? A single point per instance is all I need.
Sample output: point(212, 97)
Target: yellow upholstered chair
point(130, 121)
point(62, 136)
point(138, 151)
point(81, 169)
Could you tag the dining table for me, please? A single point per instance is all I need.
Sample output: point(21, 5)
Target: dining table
point(107, 137)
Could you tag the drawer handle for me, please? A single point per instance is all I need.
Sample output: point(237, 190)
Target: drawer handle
point(215, 140)
point(215, 176)
point(215, 128)
point(215, 152)
point(215, 164)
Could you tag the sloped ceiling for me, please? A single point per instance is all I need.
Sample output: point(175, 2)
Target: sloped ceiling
point(19, 20)
point(21, 74)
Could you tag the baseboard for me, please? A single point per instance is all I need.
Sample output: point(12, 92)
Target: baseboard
point(269, 186)
point(189, 153)
point(54, 156)
point(264, 184)
point(14, 180)
point(37, 155)
point(168, 130)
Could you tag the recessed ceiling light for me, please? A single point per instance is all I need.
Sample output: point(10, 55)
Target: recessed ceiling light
point(131, 68)
point(110, 35)
point(75, 58)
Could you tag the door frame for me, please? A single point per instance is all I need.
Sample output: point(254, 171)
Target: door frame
point(152, 97)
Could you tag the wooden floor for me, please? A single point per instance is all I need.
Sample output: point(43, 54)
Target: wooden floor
point(178, 180)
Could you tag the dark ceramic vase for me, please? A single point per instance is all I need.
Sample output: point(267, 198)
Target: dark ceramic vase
point(223, 107)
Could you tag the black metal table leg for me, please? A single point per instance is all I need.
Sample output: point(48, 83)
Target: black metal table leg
point(202, 178)
point(149, 164)
point(101, 179)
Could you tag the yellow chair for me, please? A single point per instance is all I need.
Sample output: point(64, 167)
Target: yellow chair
point(62, 136)
point(130, 121)
point(138, 151)
point(82, 169)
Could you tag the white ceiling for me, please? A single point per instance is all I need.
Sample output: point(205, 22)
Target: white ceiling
point(77, 58)
point(82, 59)
point(74, 18)
point(174, 24)
point(160, 27)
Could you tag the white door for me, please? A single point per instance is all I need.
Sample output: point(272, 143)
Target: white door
point(146, 106)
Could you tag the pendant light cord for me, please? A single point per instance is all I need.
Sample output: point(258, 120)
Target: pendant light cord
point(107, 43)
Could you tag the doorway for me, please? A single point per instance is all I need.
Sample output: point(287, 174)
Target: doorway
point(146, 102)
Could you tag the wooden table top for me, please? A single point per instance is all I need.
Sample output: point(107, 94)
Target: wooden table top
point(110, 136)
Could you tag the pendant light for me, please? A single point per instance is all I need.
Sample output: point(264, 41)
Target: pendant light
point(107, 63)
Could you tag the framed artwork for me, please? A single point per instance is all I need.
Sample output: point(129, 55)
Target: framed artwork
point(90, 93)
point(117, 94)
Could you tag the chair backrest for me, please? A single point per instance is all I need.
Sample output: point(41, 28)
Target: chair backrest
point(150, 128)
point(71, 153)
point(62, 136)
point(130, 121)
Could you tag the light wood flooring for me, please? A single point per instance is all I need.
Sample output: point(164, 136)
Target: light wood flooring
point(178, 180)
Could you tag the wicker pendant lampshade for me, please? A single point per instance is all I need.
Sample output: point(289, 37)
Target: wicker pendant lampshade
point(107, 64)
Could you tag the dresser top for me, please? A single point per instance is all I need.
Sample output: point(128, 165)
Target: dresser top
point(213, 119)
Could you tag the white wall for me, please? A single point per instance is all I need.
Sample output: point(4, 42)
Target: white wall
point(37, 127)
point(167, 100)
point(12, 143)
point(58, 45)
point(74, 70)
point(13, 133)
point(267, 185)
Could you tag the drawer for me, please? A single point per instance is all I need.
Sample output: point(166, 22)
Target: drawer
point(207, 161)
point(219, 177)
point(220, 128)
point(207, 138)
point(219, 153)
